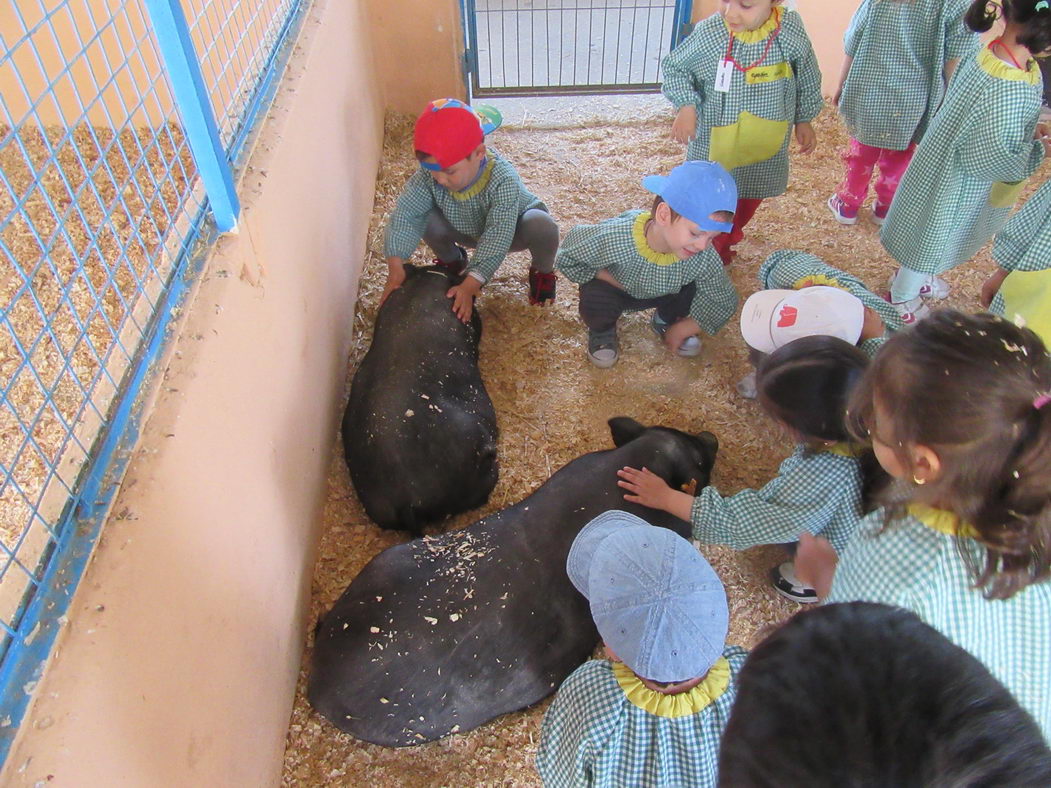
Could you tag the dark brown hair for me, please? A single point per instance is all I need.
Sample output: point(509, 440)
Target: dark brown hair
point(964, 386)
point(806, 385)
point(859, 695)
point(1036, 23)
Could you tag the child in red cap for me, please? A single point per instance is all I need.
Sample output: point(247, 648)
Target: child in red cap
point(467, 195)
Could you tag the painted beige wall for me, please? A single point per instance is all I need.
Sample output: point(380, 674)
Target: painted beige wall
point(419, 51)
point(178, 663)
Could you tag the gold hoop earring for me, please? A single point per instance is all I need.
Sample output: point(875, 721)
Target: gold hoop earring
point(917, 480)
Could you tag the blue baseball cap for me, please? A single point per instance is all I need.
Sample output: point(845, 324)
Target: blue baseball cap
point(696, 190)
point(655, 600)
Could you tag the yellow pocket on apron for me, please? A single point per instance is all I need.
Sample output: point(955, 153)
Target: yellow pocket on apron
point(1004, 195)
point(1027, 294)
point(750, 140)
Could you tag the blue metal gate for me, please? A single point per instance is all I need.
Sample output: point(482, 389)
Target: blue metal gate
point(572, 47)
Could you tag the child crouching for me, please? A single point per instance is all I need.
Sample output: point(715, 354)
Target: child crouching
point(659, 260)
point(655, 714)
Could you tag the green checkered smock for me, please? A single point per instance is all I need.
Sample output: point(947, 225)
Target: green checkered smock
point(916, 567)
point(1023, 247)
point(618, 245)
point(787, 269)
point(793, 97)
point(819, 492)
point(896, 80)
point(593, 735)
point(488, 210)
point(968, 168)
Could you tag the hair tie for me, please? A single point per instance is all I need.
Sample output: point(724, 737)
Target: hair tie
point(1043, 399)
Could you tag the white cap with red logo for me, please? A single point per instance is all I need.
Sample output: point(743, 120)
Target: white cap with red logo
point(772, 318)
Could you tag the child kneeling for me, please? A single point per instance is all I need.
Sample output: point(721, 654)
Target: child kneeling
point(655, 714)
point(659, 260)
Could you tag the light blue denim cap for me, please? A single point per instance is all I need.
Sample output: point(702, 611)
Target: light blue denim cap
point(696, 190)
point(655, 600)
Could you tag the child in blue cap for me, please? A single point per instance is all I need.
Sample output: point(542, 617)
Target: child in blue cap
point(660, 259)
point(652, 714)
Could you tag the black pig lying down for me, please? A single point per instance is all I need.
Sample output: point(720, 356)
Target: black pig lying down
point(441, 634)
point(419, 432)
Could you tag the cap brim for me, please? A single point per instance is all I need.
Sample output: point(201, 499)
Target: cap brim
point(756, 314)
point(654, 183)
point(582, 551)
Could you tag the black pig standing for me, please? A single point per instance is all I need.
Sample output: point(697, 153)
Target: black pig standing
point(419, 432)
point(443, 633)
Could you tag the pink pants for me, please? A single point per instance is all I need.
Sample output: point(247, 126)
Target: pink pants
point(860, 159)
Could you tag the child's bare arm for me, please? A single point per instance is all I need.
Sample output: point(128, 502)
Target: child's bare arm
point(395, 276)
point(684, 128)
point(806, 137)
point(647, 488)
point(991, 286)
point(847, 62)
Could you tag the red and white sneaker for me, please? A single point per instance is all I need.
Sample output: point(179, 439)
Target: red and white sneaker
point(933, 287)
point(840, 212)
point(911, 311)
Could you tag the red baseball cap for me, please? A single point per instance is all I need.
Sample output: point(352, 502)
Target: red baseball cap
point(448, 130)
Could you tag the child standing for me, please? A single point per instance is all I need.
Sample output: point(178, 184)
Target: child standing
point(1020, 289)
point(467, 195)
point(653, 715)
point(740, 81)
point(971, 163)
point(658, 260)
point(899, 56)
point(957, 410)
point(820, 488)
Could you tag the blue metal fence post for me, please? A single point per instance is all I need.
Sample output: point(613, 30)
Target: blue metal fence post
point(195, 108)
point(682, 23)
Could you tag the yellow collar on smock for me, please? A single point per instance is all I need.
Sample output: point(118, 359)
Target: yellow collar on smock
point(672, 706)
point(995, 67)
point(761, 32)
point(642, 246)
point(842, 449)
point(940, 520)
point(478, 185)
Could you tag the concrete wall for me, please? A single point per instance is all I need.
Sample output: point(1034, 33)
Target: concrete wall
point(419, 52)
point(178, 663)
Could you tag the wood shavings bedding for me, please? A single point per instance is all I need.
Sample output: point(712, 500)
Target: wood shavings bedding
point(552, 404)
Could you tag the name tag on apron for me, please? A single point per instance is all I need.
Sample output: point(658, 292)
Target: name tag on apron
point(723, 75)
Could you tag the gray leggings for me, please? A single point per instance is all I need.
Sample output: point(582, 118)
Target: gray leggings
point(535, 231)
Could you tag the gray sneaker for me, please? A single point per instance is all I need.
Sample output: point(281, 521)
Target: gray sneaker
point(602, 348)
point(691, 346)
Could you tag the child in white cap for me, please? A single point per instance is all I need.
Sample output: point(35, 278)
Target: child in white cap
point(653, 713)
point(659, 259)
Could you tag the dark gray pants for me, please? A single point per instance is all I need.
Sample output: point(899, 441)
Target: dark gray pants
point(601, 304)
point(535, 231)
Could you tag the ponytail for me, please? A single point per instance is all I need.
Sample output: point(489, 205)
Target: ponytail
point(1016, 523)
point(1034, 16)
point(980, 16)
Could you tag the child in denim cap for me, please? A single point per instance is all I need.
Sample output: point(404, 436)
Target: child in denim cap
point(467, 195)
point(652, 714)
point(659, 259)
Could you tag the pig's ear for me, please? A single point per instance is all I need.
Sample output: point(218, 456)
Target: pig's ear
point(711, 443)
point(624, 430)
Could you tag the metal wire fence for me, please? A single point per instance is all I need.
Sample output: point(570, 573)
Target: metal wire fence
point(530, 47)
point(103, 214)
